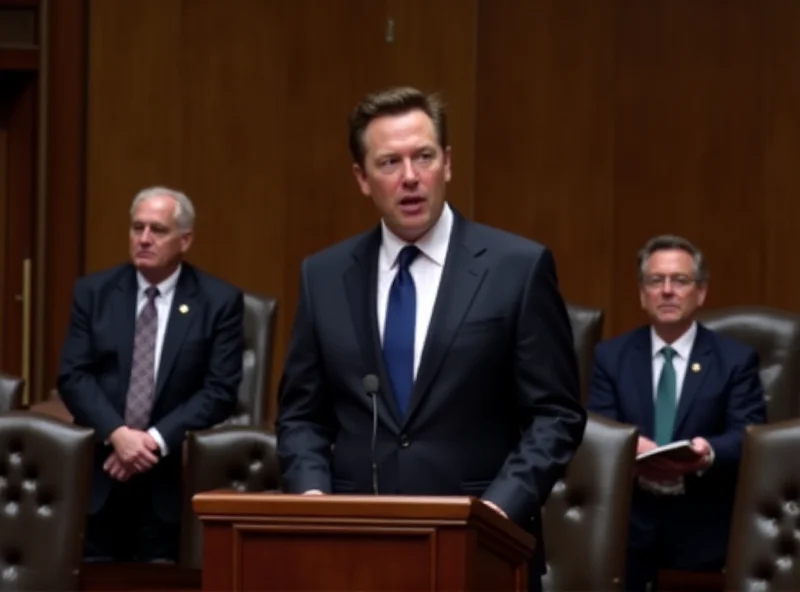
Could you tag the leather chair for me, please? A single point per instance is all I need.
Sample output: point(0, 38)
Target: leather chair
point(764, 547)
point(259, 331)
point(587, 331)
point(775, 335)
point(10, 392)
point(45, 473)
point(586, 516)
point(236, 457)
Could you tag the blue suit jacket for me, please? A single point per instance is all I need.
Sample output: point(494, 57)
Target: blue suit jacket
point(495, 409)
point(198, 376)
point(716, 403)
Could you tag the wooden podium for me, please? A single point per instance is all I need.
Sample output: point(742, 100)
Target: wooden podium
point(256, 541)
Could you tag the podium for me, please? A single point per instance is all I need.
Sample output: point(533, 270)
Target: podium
point(265, 542)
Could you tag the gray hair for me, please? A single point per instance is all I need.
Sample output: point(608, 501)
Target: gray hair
point(184, 209)
point(671, 242)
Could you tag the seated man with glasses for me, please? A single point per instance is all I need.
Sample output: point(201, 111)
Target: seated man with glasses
point(676, 380)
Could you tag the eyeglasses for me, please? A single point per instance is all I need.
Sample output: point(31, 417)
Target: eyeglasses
point(677, 282)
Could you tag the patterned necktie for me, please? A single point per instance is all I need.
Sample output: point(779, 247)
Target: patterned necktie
point(141, 390)
point(666, 395)
point(398, 333)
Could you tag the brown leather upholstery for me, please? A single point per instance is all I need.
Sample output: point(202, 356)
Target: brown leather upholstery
point(259, 331)
point(586, 517)
point(45, 470)
point(235, 457)
point(587, 331)
point(775, 335)
point(10, 392)
point(764, 548)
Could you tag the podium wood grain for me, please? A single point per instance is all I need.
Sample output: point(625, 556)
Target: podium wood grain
point(378, 543)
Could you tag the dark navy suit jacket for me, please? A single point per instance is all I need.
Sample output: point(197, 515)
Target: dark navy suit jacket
point(198, 376)
point(716, 403)
point(495, 409)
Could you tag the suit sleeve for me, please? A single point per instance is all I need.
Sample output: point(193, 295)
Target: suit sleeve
point(746, 406)
point(602, 390)
point(548, 394)
point(216, 400)
point(305, 418)
point(76, 383)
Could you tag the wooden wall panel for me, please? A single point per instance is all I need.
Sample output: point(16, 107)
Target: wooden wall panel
point(233, 153)
point(544, 132)
point(688, 149)
point(781, 130)
point(134, 118)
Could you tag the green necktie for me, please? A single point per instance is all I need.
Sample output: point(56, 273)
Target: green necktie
point(666, 395)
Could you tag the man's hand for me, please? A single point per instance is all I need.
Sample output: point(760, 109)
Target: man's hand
point(495, 507)
point(644, 445)
point(116, 468)
point(664, 470)
point(134, 448)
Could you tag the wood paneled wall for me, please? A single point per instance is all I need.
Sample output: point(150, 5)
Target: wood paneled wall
point(589, 125)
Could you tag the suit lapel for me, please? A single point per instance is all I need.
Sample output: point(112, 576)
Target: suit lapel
point(462, 275)
point(643, 377)
point(124, 315)
point(700, 359)
point(361, 286)
point(185, 308)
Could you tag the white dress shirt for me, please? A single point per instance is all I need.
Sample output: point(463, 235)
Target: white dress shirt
point(680, 360)
point(683, 351)
point(426, 271)
point(163, 302)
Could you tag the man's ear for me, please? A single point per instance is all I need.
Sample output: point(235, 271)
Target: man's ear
point(186, 241)
point(361, 177)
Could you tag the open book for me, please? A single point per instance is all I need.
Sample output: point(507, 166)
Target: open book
point(678, 451)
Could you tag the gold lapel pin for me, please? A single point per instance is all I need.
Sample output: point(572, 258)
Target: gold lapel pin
point(695, 367)
point(183, 308)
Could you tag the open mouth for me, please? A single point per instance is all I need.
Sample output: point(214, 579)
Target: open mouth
point(411, 204)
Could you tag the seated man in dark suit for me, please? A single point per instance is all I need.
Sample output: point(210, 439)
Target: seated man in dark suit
point(154, 348)
point(676, 380)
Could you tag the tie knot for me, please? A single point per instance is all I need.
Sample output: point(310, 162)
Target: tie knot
point(668, 353)
point(407, 256)
point(151, 293)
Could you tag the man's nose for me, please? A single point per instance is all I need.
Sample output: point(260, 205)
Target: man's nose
point(410, 175)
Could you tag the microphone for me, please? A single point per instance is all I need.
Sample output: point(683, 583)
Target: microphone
point(371, 386)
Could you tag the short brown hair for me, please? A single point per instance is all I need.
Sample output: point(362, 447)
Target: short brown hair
point(393, 101)
point(671, 242)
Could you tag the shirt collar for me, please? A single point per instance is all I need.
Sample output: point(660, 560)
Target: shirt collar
point(433, 244)
point(164, 288)
point(682, 346)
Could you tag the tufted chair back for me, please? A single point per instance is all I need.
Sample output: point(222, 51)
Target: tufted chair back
point(586, 517)
point(587, 330)
point(764, 547)
point(259, 331)
point(235, 457)
point(45, 473)
point(775, 335)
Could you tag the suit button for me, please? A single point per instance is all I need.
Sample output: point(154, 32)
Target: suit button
point(404, 441)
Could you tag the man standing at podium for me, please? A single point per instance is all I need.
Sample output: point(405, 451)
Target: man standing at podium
point(455, 332)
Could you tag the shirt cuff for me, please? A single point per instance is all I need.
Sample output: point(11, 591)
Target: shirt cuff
point(710, 458)
point(159, 440)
